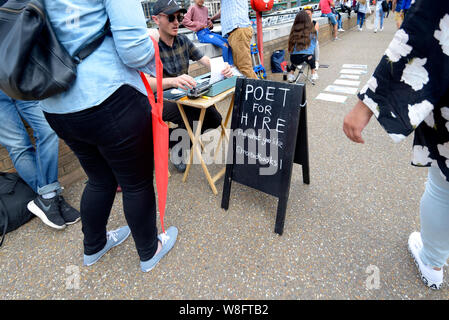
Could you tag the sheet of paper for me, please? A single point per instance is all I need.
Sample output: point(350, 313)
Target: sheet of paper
point(216, 66)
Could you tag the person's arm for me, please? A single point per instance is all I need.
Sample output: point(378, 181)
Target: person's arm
point(216, 16)
point(183, 81)
point(210, 24)
point(409, 80)
point(129, 31)
point(189, 21)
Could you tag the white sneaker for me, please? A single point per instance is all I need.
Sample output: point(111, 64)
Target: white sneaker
point(375, 30)
point(431, 278)
point(291, 77)
point(341, 30)
point(382, 29)
point(360, 29)
point(315, 76)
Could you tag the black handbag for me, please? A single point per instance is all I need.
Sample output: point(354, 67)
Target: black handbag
point(34, 65)
point(14, 197)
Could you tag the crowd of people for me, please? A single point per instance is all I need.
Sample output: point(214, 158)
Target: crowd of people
point(105, 117)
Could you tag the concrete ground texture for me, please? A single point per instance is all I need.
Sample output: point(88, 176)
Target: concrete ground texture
point(345, 234)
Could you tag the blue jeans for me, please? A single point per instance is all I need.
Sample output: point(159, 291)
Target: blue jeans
point(331, 17)
point(434, 216)
point(379, 15)
point(38, 166)
point(206, 36)
point(360, 19)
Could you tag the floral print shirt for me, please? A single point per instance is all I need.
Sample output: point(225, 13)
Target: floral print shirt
point(409, 90)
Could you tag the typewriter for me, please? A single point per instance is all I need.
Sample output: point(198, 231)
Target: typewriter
point(201, 89)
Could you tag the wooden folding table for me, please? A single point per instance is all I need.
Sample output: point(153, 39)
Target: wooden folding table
point(203, 103)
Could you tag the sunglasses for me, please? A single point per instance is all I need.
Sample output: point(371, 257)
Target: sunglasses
point(172, 17)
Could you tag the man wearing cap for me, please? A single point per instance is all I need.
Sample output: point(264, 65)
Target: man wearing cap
point(235, 23)
point(176, 50)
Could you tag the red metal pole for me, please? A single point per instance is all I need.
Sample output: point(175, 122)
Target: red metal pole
point(260, 36)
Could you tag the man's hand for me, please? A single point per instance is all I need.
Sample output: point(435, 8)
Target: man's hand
point(227, 71)
point(356, 120)
point(183, 81)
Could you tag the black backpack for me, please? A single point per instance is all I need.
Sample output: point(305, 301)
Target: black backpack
point(384, 6)
point(34, 65)
point(14, 197)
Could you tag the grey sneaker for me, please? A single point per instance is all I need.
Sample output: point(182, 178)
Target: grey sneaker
point(431, 278)
point(168, 241)
point(114, 238)
point(48, 210)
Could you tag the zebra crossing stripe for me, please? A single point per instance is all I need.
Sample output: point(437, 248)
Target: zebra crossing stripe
point(331, 97)
point(355, 66)
point(347, 82)
point(338, 89)
point(352, 71)
point(349, 76)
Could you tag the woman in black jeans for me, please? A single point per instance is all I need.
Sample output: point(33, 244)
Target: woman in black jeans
point(105, 118)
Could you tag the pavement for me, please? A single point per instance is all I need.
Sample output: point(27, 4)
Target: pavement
point(345, 234)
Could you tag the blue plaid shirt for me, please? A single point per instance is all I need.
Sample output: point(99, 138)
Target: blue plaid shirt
point(234, 14)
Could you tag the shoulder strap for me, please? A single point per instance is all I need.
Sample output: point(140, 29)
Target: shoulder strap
point(85, 50)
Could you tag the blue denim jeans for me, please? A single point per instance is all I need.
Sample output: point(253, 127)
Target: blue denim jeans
point(379, 16)
point(331, 17)
point(434, 214)
point(206, 36)
point(38, 166)
point(360, 19)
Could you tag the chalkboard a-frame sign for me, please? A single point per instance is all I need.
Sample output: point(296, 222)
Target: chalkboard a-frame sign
point(269, 134)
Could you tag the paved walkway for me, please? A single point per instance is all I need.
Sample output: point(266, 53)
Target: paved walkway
point(352, 220)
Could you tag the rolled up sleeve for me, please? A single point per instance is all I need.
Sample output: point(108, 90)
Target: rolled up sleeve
point(130, 34)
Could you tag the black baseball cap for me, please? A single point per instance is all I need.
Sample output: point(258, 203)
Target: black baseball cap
point(167, 7)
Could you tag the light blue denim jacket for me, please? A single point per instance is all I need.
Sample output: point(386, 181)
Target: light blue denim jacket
point(114, 63)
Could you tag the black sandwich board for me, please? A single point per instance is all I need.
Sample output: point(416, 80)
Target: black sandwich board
point(269, 134)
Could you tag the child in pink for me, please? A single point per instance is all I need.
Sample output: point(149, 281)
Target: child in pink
point(197, 19)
